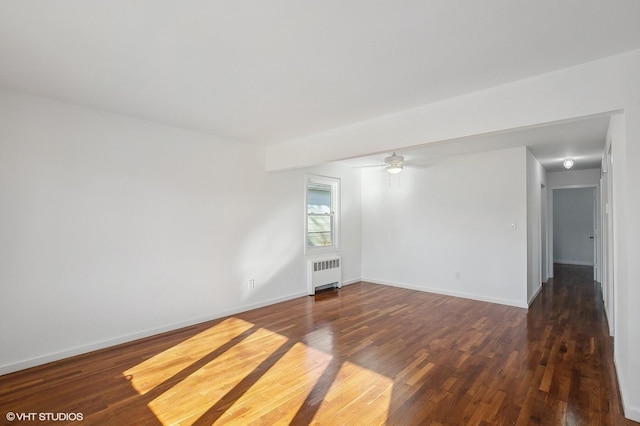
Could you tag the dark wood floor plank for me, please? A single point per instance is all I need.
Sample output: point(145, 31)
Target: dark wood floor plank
point(364, 354)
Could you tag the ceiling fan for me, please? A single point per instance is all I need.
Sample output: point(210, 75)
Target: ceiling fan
point(393, 164)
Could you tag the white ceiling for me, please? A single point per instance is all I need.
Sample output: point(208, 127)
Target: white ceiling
point(269, 71)
point(582, 140)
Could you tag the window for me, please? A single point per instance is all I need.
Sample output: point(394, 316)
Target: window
point(322, 214)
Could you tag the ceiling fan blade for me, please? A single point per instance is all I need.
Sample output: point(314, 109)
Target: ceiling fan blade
point(371, 165)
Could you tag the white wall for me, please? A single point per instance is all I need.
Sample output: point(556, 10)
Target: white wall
point(574, 178)
point(615, 132)
point(573, 224)
point(536, 238)
point(426, 224)
point(113, 228)
point(626, 197)
point(544, 209)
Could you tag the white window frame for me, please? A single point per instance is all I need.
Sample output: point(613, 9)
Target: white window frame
point(334, 183)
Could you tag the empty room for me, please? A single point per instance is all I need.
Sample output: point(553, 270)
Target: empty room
point(279, 212)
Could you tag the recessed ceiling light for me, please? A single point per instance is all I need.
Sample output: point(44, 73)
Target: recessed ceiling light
point(568, 163)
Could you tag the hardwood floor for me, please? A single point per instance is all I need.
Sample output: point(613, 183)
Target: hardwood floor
point(366, 354)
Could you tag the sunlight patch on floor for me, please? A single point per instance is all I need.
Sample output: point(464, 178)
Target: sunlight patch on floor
point(281, 391)
point(194, 395)
point(161, 367)
point(236, 373)
point(357, 396)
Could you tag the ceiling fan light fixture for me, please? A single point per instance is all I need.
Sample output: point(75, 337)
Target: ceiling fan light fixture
point(394, 168)
point(568, 163)
point(395, 163)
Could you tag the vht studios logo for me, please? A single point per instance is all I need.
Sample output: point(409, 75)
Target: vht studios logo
point(44, 417)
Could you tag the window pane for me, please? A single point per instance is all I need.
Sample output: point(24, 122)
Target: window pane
point(319, 199)
point(322, 199)
point(319, 231)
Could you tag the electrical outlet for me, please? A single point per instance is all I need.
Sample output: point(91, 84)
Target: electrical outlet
point(252, 284)
point(458, 275)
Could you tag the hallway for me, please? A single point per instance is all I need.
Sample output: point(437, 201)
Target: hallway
point(568, 323)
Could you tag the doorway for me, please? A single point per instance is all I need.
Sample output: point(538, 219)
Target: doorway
point(574, 230)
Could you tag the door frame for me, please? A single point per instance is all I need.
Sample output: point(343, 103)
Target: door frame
point(597, 226)
point(607, 226)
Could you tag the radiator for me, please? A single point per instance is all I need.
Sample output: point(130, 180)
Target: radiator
point(324, 272)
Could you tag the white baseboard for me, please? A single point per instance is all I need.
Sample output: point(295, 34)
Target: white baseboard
point(449, 293)
point(535, 294)
point(631, 413)
point(57, 356)
point(33, 362)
